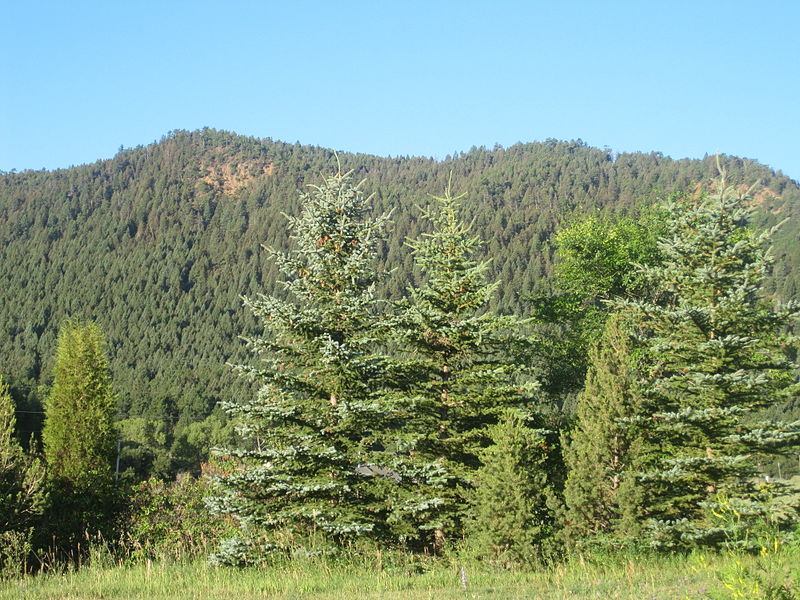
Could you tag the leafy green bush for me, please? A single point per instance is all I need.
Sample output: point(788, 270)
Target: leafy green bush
point(170, 521)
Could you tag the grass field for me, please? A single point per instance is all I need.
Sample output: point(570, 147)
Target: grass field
point(686, 577)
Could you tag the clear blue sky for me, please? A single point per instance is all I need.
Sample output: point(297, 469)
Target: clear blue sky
point(81, 78)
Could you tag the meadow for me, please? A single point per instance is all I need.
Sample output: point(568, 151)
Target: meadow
point(775, 574)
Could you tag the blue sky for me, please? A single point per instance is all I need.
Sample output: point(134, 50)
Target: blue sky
point(79, 79)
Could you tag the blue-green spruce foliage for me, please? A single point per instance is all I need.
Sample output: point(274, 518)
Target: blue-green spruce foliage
point(714, 355)
point(307, 474)
point(466, 365)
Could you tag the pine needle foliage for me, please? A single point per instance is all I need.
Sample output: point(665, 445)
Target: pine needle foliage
point(714, 355)
point(79, 440)
point(78, 436)
point(306, 478)
point(467, 364)
point(603, 445)
point(511, 518)
point(10, 449)
point(20, 492)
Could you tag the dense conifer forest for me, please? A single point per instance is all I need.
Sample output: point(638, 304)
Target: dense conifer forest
point(512, 356)
point(159, 244)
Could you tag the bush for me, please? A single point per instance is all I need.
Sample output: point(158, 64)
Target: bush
point(170, 521)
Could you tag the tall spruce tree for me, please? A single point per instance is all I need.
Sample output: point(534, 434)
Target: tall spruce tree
point(79, 437)
point(467, 365)
point(602, 451)
point(308, 470)
point(10, 457)
point(714, 355)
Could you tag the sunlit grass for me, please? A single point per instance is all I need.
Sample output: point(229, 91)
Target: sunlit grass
point(683, 577)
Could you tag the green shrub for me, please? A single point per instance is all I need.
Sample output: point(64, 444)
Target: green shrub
point(170, 521)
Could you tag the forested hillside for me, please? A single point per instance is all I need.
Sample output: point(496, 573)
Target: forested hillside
point(158, 244)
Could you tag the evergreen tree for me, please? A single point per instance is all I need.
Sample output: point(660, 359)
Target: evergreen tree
point(309, 468)
point(10, 449)
point(20, 492)
point(602, 451)
point(714, 356)
point(163, 232)
point(79, 437)
point(510, 516)
point(467, 365)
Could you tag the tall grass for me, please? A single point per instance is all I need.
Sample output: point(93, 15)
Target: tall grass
point(394, 576)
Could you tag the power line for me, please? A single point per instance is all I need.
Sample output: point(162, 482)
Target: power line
point(162, 418)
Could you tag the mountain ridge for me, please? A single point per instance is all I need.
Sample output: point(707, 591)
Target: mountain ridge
point(777, 171)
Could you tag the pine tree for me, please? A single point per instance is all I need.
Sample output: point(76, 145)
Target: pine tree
point(714, 356)
point(467, 365)
point(10, 449)
point(511, 515)
point(79, 437)
point(309, 467)
point(20, 492)
point(602, 450)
